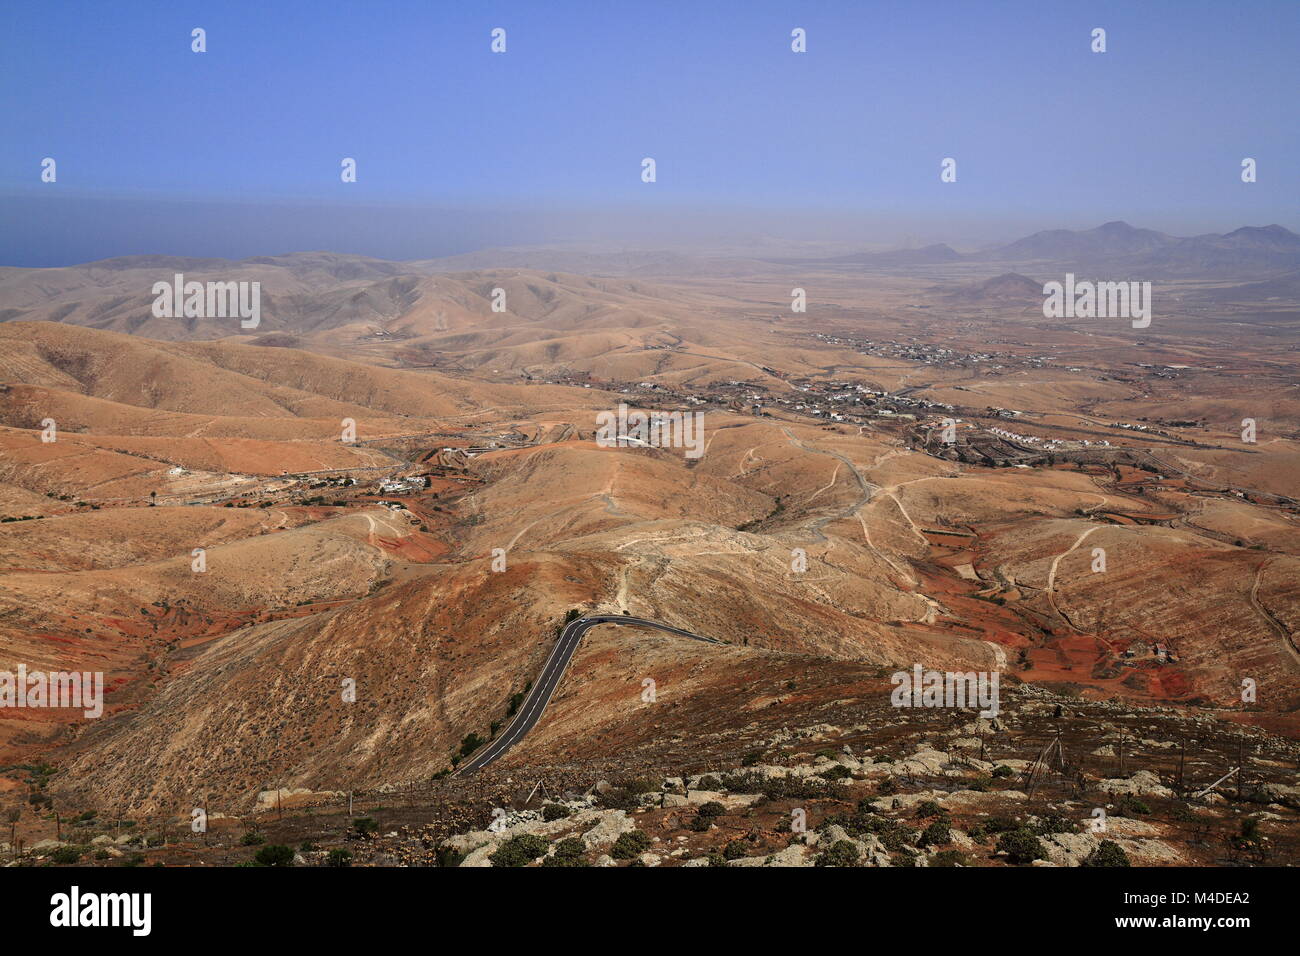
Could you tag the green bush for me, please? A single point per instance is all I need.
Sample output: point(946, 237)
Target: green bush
point(1001, 824)
point(641, 785)
point(1002, 770)
point(734, 850)
point(705, 816)
point(1109, 853)
point(1130, 806)
point(1053, 823)
point(788, 787)
point(365, 827)
point(1021, 846)
point(630, 844)
point(339, 857)
point(519, 850)
point(928, 808)
point(68, 854)
point(839, 853)
point(712, 809)
point(949, 858)
point(892, 834)
point(835, 772)
point(273, 854)
point(618, 798)
point(555, 811)
point(252, 838)
point(570, 851)
point(936, 834)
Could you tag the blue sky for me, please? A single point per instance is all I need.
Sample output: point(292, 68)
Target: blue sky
point(458, 147)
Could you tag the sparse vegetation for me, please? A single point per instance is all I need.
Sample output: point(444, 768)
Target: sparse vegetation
point(68, 854)
point(1021, 846)
point(946, 858)
point(618, 798)
point(274, 854)
point(936, 834)
point(839, 853)
point(630, 844)
point(570, 851)
point(928, 808)
point(555, 811)
point(519, 850)
point(1109, 853)
point(734, 850)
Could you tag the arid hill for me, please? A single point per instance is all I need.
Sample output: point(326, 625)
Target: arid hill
point(918, 470)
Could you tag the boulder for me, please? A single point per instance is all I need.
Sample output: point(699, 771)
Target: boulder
point(796, 854)
point(611, 826)
point(1143, 783)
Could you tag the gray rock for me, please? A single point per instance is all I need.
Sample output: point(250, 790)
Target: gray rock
point(612, 825)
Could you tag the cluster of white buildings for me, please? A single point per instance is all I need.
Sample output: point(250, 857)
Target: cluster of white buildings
point(391, 486)
point(1051, 443)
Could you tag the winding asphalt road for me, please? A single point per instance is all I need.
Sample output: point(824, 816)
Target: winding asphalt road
point(544, 686)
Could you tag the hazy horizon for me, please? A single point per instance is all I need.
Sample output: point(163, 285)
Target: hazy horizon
point(236, 151)
point(76, 231)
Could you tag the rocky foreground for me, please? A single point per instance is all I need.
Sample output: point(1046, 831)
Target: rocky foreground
point(1051, 781)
